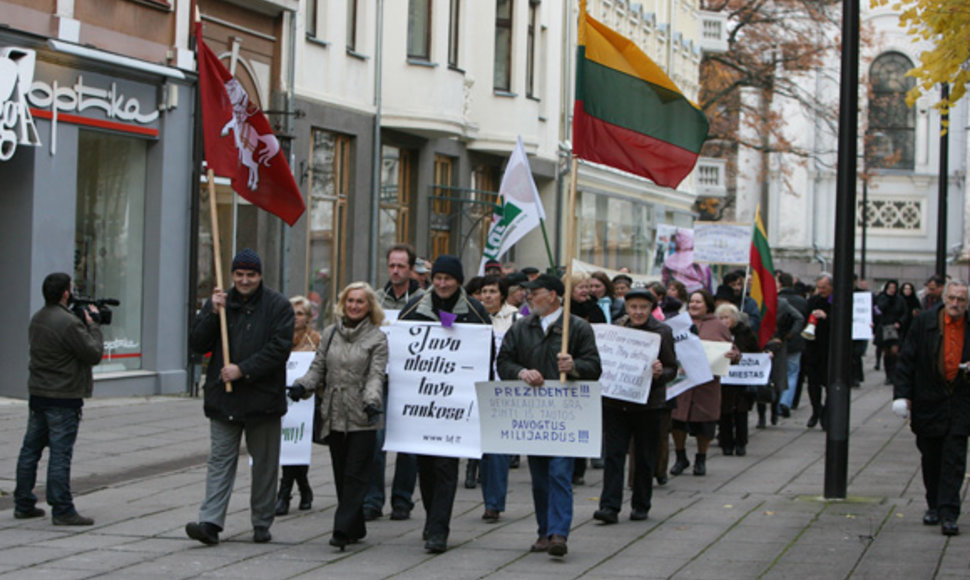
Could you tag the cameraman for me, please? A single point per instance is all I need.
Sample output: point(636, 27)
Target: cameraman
point(62, 351)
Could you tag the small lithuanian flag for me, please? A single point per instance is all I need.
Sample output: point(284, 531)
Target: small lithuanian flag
point(764, 291)
point(628, 114)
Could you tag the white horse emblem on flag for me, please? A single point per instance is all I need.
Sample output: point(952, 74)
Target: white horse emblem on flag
point(248, 140)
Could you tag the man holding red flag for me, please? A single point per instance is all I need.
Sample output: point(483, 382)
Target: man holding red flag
point(239, 142)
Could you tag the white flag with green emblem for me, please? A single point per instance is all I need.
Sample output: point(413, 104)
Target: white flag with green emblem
point(521, 208)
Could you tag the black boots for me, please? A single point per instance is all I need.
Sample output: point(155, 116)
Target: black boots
point(700, 464)
point(681, 464)
point(283, 498)
point(471, 474)
point(813, 420)
point(306, 495)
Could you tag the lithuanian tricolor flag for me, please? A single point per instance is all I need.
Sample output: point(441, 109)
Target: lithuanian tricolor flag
point(764, 291)
point(628, 114)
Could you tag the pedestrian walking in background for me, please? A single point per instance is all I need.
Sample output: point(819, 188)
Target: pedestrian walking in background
point(305, 339)
point(931, 386)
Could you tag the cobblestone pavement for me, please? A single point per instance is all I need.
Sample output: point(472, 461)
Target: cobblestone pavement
point(139, 471)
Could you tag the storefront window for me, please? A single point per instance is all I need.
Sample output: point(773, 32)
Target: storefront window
point(110, 237)
point(614, 232)
point(395, 217)
point(329, 185)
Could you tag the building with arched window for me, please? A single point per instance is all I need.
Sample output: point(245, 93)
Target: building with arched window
point(898, 168)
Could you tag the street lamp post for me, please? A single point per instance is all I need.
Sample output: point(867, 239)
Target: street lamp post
point(840, 327)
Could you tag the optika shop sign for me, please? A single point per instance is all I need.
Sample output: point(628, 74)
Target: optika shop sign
point(20, 93)
point(16, 124)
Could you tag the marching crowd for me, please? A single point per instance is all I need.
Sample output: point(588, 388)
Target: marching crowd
point(245, 397)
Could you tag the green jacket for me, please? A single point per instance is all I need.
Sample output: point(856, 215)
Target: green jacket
point(62, 351)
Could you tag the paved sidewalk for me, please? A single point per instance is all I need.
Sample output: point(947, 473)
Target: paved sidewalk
point(139, 471)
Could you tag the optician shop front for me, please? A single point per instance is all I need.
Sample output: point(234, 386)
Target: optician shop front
point(96, 181)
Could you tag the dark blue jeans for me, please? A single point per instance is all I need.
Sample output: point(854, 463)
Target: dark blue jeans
point(55, 428)
point(552, 493)
point(495, 480)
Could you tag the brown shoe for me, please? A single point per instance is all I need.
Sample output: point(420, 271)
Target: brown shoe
point(541, 545)
point(490, 516)
point(557, 546)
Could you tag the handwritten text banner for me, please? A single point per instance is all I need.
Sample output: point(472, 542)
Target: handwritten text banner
point(432, 371)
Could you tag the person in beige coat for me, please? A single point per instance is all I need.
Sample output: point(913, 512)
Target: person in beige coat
point(352, 357)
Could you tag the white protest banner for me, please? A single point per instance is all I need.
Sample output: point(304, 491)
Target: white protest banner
point(431, 404)
point(722, 243)
point(693, 366)
point(861, 316)
point(715, 351)
point(297, 427)
point(390, 316)
point(556, 419)
point(297, 432)
point(626, 356)
point(754, 369)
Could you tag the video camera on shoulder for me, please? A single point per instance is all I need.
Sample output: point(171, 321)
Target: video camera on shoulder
point(79, 305)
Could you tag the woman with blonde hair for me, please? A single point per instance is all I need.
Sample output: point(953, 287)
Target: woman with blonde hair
point(347, 375)
point(305, 339)
point(736, 401)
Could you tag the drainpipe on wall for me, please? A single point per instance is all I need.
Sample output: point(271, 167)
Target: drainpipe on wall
point(288, 116)
point(375, 210)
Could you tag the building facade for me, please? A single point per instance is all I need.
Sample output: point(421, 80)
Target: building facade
point(96, 162)
point(397, 118)
point(897, 190)
point(618, 213)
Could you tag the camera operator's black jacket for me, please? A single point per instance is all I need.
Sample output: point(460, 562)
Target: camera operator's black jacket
point(260, 337)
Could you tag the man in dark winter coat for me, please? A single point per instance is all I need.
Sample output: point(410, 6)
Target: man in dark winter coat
point(816, 359)
point(260, 324)
point(400, 289)
point(932, 385)
point(624, 421)
point(438, 476)
point(531, 352)
point(795, 344)
point(63, 348)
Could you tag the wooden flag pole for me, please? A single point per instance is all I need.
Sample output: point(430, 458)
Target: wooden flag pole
point(217, 250)
point(570, 242)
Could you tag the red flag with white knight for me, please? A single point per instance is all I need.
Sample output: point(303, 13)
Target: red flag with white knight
point(239, 142)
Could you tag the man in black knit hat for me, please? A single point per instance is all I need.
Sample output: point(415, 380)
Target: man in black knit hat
point(438, 476)
point(260, 324)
